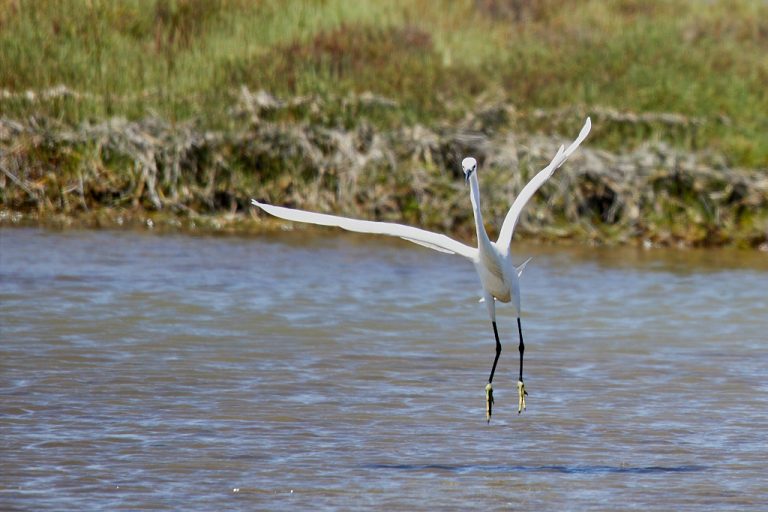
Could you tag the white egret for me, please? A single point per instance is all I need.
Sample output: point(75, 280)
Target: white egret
point(492, 260)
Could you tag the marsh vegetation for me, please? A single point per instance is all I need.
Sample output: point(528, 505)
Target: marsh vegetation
point(180, 110)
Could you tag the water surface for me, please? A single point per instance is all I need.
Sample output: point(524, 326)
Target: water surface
point(333, 371)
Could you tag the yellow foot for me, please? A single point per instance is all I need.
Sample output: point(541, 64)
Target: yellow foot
point(488, 402)
point(521, 392)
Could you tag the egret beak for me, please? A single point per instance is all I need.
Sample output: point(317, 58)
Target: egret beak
point(466, 177)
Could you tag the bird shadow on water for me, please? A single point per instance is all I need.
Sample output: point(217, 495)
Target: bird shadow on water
point(506, 468)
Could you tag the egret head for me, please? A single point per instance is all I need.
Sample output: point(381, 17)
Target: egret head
point(468, 165)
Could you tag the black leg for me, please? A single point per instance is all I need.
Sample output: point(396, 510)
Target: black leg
point(521, 392)
point(489, 388)
point(521, 347)
point(498, 352)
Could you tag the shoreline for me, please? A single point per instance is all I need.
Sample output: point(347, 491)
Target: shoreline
point(185, 175)
point(254, 224)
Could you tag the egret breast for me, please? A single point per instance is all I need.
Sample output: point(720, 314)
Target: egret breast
point(492, 278)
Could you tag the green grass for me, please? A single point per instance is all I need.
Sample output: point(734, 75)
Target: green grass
point(185, 59)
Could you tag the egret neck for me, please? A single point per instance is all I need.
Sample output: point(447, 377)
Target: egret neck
point(483, 242)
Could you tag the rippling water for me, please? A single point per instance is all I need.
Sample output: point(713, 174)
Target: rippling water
point(329, 371)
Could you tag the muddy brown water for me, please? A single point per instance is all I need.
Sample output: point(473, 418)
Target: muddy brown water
point(330, 371)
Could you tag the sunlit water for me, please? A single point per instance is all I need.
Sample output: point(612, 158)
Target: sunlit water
point(299, 372)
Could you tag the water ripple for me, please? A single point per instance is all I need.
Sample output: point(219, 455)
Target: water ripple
point(317, 372)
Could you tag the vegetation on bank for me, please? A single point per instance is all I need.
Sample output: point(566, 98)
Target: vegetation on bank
point(181, 175)
point(151, 108)
point(182, 59)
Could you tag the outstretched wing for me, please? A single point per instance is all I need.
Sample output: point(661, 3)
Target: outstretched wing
point(434, 241)
point(508, 227)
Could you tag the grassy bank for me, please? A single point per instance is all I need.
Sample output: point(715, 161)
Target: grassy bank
point(183, 59)
point(180, 175)
point(114, 112)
